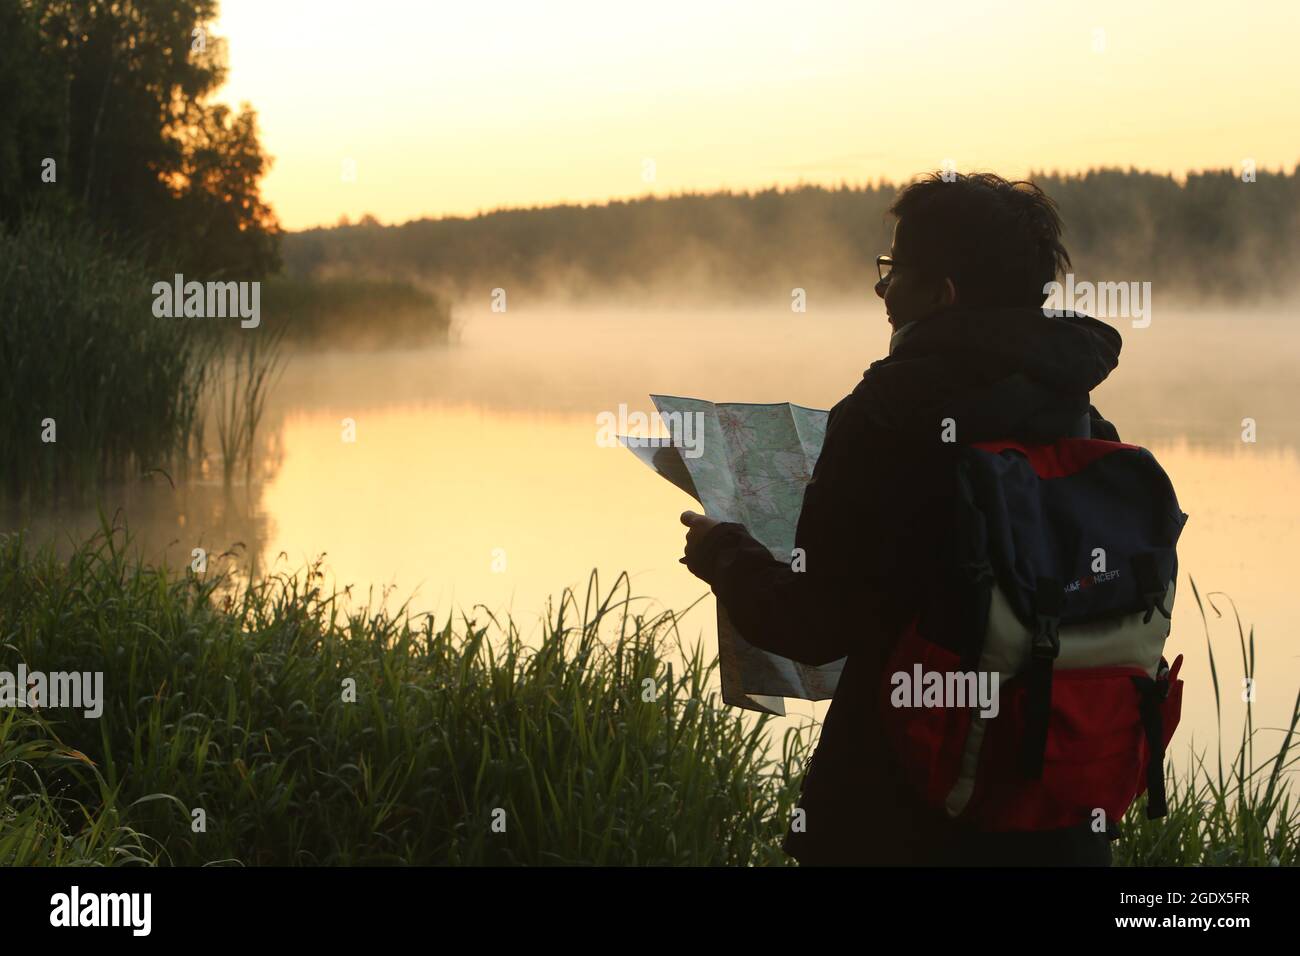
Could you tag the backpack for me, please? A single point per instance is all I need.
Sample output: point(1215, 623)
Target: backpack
point(1041, 695)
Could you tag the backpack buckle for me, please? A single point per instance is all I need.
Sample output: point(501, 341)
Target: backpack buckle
point(1048, 601)
point(1047, 639)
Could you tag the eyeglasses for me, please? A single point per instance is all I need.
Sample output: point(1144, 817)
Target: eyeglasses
point(885, 267)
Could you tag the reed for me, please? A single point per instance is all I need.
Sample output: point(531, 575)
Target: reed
point(122, 392)
point(352, 312)
point(1244, 816)
point(41, 828)
point(243, 373)
point(87, 364)
point(315, 734)
point(468, 742)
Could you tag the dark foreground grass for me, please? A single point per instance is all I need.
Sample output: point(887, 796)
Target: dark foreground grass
point(464, 743)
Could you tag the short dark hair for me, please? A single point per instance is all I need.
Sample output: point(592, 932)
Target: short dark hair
point(999, 241)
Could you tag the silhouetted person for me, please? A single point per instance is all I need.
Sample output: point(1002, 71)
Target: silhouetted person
point(964, 292)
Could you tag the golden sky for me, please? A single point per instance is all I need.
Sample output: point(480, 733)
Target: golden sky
point(405, 109)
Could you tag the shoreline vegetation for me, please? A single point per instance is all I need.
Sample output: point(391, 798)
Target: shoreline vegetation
point(307, 736)
point(99, 388)
point(120, 173)
point(264, 724)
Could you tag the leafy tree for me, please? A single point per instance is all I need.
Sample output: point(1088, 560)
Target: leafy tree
point(119, 92)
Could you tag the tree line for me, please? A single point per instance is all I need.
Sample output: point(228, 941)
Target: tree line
point(1213, 237)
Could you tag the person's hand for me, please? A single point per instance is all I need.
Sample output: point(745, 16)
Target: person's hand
point(698, 526)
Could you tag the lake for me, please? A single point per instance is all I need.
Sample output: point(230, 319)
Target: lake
point(475, 477)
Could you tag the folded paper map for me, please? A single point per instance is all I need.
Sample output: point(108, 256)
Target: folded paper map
point(745, 463)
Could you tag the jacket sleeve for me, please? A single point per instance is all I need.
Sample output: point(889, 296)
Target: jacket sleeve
point(852, 530)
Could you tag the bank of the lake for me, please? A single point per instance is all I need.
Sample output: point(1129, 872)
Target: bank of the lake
point(101, 384)
point(266, 724)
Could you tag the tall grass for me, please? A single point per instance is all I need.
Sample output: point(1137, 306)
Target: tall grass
point(242, 376)
point(80, 347)
point(127, 392)
point(598, 740)
point(40, 828)
point(1246, 816)
point(579, 744)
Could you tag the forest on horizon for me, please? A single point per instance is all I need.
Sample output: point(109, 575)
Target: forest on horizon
point(1212, 239)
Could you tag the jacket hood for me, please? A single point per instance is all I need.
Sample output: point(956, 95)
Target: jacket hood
point(1004, 372)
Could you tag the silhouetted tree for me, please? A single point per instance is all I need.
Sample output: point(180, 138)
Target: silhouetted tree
point(118, 93)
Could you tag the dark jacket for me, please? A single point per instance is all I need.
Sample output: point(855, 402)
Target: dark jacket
point(875, 531)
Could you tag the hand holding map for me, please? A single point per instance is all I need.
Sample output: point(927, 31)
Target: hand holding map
point(749, 464)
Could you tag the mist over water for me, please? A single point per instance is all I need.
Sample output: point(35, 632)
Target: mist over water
point(485, 451)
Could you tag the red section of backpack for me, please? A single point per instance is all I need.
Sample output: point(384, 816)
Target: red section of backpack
point(927, 741)
point(1096, 756)
point(1065, 457)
